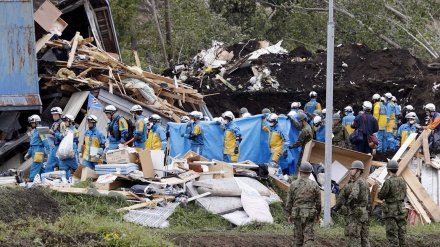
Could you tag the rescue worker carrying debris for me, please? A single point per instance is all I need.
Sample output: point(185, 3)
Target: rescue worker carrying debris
point(354, 201)
point(406, 129)
point(158, 138)
point(38, 147)
point(232, 138)
point(393, 193)
point(140, 134)
point(195, 132)
point(72, 163)
point(117, 130)
point(94, 144)
point(340, 134)
point(303, 206)
point(368, 125)
point(312, 105)
point(434, 124)
point(319, 129)
point(347, 120)
point(380, 113)
point(305, 135)
point(278, 139)
point(56, 130)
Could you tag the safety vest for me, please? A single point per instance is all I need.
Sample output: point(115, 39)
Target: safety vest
point(232, 131)
point(94, 139)
point(158, 139)
point(148, 142)
point(347, 121)
point(58, 131)
point(404, 131)
point(197, 131)
point(380, 113)
point(141, 129)
point(311, 106)
point(320, 133)
point(117, 129)
point(277, 139)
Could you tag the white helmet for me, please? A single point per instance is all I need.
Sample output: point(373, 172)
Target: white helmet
point(272, 118)
point(324, 111)
point(367, 105)
point(155, 118)
point(206, 118)
point(376, 97)
point(56, 110)
point(68, 117)
point(317, 112)
point(110, 108)
point(92, 119)
point(228, 114)
point(409, 107)
point(295, 105)
point(291, 114)
point(388, 95)
point(196, 115)
point(317, 120)
point(184, 119)
point(393, 99)
point(411, 115)
point(348, 109)
point(246, 114)
point(313, 94)
point(34, 118)
point(382, 99)
point(429, 107)
point(136, 108)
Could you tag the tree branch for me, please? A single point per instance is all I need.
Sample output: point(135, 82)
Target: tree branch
point(403, 18)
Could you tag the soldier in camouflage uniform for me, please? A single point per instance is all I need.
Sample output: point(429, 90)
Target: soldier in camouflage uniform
point(393, 193)
point(304, 206)
point(355, 200)
point(340, 134)
point(304, 136)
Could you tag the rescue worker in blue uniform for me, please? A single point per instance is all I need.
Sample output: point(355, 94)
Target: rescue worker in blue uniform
point(140, 134)
point(406, 129)
point(71, 164)
point(232, 138)
point(56, 130)
point(380, 114)
point(391, 122)
point(294, 108)
point(312, 105)
point(158, 137)
point(397, 114)
point(278, 139)
point(38, 147)
point(194, 132)
point(94, 144)
point(319, 129)
point(117, 131)
point(347, 120)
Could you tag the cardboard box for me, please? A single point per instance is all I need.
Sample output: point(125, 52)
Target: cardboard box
point(46, 15)
point(85, 173)
point(146, 163)
point(120, 156)
point(109, 186)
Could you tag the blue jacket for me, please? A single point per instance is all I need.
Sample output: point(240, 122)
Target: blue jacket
point(118, 124)
point(367, 123)
point(58, 136)
point(311, 106)
point(320, 133)
point(348, 120)
point(194, 132)
point(159, 139)
point(39, 141)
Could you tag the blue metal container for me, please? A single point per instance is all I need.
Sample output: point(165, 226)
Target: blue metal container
point(18, 62)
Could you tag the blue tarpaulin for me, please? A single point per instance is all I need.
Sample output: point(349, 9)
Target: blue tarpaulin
point(254, 146)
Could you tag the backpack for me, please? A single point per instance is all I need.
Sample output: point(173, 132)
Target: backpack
point(131, 127)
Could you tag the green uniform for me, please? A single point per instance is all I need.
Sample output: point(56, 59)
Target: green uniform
point(340, 136)
point(303, 205)
point(354, 202)
point(393, 193)
point(304, 137)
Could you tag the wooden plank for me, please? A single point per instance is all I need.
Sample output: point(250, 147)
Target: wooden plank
point(283, 185)
point(411, 152)
point(417, 206)
point(426, 150)
point(42, 41)
point(136, 58)
point(183, 90)
point(422, 195)
point(158, 77)
point(176, 96)
point(137, 206)
point(405, 145)
point(73, 50)
point(69, 88)
point(229, 85)
point(198, 196)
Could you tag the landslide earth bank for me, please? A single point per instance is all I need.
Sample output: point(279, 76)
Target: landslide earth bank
point(367, 72)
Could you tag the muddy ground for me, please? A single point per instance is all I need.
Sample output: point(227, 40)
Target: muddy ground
point(282, 240)
point(367, 72)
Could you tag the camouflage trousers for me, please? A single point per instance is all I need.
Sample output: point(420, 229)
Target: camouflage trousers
point(303, 232)
point(357, 232)
point(298, 162)
point(396, 231)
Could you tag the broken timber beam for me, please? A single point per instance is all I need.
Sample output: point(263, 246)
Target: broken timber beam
point(426, 150)
point(73, 50)
point(229, 85)
point(175, 96)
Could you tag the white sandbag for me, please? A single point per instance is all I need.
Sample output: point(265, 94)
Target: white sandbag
point(65, 150)
point(256, 208)
point(238, 218)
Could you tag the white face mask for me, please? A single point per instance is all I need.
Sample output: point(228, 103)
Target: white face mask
point(412, 122)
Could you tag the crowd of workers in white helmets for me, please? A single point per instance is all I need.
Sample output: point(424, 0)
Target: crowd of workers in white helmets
point(383, 118)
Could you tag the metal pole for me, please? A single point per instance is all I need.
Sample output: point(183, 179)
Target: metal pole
point(329, 115)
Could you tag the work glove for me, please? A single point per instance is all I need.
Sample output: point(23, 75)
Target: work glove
point(120, 146)
point(285, 154)
point(27, 156)
point(236, 150)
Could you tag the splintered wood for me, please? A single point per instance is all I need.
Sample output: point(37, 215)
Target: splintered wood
point(97, 68)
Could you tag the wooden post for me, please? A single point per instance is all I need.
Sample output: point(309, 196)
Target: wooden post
point(73, 50)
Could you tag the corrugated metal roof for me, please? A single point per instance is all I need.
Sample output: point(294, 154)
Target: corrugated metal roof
point(18, 73)
point(75, 103)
